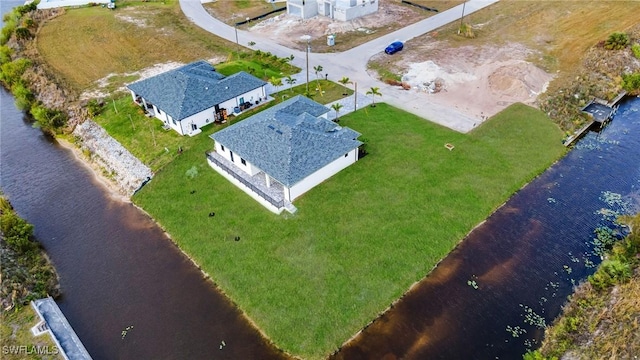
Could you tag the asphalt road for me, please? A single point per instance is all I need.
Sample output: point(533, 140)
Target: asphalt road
point(353, 63)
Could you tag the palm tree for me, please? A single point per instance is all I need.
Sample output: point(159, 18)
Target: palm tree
point(336, 106)
point(317, 69)
point(290, 81)
point(344, 81)
point(276, 82)
point(373, 92)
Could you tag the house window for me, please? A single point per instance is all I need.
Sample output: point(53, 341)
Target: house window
point(174, 122)
point(222, 148)
point(243, 162)
point(347, 154)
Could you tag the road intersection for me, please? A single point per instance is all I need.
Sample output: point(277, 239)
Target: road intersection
point(353, 63)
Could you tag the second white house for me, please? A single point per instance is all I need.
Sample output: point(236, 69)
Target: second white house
point(194, 95)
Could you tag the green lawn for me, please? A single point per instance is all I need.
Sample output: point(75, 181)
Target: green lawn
point(359, 240)
point(143, 136)
point(156, 147)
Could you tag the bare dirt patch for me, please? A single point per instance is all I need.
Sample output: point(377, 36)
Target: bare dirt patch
point(101, 88)
point(287, 29)
point(479, 81)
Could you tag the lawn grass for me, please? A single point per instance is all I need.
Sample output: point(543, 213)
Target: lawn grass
point(262, 70)
point(359, 240)
point(98, 42)
point(15, 330)
point(144, 137)
point(156, 147)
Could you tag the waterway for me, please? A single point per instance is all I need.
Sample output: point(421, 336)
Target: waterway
point(130, 294)
point(127, 291)
point(491, 297)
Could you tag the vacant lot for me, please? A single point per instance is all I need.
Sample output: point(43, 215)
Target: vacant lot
point(516, 43)
point(312, 280)
point(87, 44)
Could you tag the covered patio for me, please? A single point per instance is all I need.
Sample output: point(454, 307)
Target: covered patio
point(271, 195)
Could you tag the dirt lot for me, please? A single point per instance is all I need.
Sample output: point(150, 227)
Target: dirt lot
point(287, 29)
point(477, 80)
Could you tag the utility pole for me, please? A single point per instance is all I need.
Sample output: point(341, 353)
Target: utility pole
point(462, 17)
point(355, 96)
point(308, 38)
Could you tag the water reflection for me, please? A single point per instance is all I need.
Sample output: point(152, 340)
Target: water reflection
point(118, 269)
point(491, 297)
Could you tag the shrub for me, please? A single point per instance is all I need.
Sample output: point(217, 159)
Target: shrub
point(11, 72)
point(17, 233)
point(617, 41)
point(611, 272)
point(22, 33)
point(24, 97)
point(47, 119)
point(5, 54)
point(635, 48)
point(631, 82)
point(94, 107)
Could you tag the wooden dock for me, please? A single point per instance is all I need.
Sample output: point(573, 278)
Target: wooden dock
point(578, 134)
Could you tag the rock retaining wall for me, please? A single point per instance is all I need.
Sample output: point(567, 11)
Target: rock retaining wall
point(127, 171)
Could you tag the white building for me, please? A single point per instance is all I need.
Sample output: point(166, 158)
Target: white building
point(192, 96)
point(342, 10)
point(282, 152)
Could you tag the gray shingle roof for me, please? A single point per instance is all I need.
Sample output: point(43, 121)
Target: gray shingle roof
point(289, 141)
point(192, 88)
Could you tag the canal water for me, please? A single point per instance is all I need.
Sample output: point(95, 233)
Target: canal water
point(491, 297)
point(130, 294)
point(127, 291)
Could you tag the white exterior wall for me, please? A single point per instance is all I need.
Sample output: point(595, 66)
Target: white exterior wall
point(249, 168)
point(207, 116)
point(199, 120)
point(363, 7)
point(321, 175)
point(306, 11)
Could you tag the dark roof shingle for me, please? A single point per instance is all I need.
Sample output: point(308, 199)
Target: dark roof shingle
point(192, 88)
point(289, 141)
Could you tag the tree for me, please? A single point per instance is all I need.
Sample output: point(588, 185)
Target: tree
point(289, 80)
point(617, 41)
point(344, 81)
point(631, 83)
point(373, 92)
point(318, 69)
point(276, 82)
point(337, 106)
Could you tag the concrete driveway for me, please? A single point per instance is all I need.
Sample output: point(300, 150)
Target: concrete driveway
point(353, 63)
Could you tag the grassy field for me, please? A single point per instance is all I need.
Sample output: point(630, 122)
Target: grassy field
point(15, 330)
point(98, 42)
point(359, 240)
point(561, 30)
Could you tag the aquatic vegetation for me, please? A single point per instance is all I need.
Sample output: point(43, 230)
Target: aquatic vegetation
point(532, 318)
point(473, 284)
point(515, 331)
point(126, 331)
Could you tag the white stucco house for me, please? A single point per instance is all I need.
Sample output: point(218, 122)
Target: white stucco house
point(282, 152)
point(343, 10)
point(194, 95)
